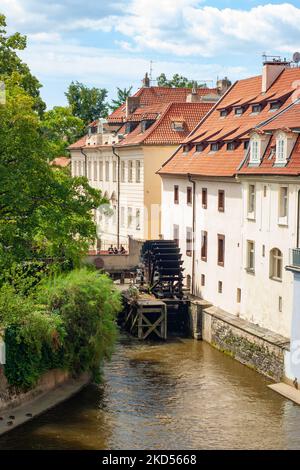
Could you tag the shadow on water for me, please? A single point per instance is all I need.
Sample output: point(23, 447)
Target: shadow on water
point(174, 395)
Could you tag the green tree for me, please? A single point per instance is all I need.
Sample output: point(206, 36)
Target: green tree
point(177, 81)
point(10, 62)
point(61, 129)
point(86, 103)
point(122, 95)
point(43, 211)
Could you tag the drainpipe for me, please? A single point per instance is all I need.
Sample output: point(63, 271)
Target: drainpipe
point(193, 230)
point(85, 162)
point(118, 205)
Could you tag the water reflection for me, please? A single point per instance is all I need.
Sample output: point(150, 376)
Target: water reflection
point(181, 394)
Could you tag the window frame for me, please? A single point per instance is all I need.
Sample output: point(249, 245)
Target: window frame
point(250, 261)
point(203, 248)
point(189, 241)
point(251, 201)
point(176, 194)
point(221, 259)
point(204, 198)
point(221, 200)
point(189, 195)
point(276, 264)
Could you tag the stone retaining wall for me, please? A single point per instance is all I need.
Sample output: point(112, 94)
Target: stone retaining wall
point(256, 347)
point(9, 398)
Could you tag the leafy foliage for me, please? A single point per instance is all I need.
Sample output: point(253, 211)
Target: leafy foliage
point(86, 103)
point(10, 63)
point(122, 95)
point(69, 322)
point(177, 81)
point(61, 129)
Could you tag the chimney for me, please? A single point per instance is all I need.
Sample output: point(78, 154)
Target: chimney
point(146, 81)
point(132, 103)
point(271, 70)
point(223, 85)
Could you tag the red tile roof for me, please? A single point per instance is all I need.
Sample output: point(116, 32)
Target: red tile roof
point(224, 162)
point(61, 161)
point(159, 95)
point(161, 132)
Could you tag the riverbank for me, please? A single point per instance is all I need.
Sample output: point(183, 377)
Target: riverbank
point(54, 388)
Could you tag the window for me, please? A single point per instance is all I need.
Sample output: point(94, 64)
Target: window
point(186, 149)
point(106, 171)
point(123, 166)
point(251, 200)
point(204, 245)
point(265, 191)
point(138, 219)
point(283, 204)
point(176, 194)
point(238, 295)
point(254, 151)
point(188, 281)
point(176, 234)
point(263, 251)
point(220, 287)
point(275, 105)
point(146, 124)
point(250, 257)
point(114, 171)
point(230, 146)
point(246, 144)
point(280, 304)
point(189, 241)
point(281, 150)
point(221, 200)
point(223, 113)
point(204, 198)
point(137, 171)
point(101, 171)
point(189, 195)
point(95, 171)
point(221, 249)
point(276, 264)
point(122, 216)
point(178, 126)
point(130, 171)
point(199, 148)
point(238, 111)
point(202, 280)
point(214, 147)
point(129, 217)
point(256, 108)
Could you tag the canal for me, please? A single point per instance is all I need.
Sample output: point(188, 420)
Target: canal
point(179, 395)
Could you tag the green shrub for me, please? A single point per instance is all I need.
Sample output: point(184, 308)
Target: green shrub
point(69, 322)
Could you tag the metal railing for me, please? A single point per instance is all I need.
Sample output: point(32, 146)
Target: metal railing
point(295, 257)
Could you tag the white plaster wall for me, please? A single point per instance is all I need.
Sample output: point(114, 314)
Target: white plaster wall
point(214, 222)
point(260, 298)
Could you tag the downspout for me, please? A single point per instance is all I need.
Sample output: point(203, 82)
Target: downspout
point(193, 230)
point(118, 197)
point(85, 162)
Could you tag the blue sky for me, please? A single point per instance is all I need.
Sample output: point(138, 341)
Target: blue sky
point(111, 43)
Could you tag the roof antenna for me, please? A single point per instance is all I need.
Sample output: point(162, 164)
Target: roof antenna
point(150, 71)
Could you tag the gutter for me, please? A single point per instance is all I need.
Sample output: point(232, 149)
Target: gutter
point(118, 196)
point(193, 229)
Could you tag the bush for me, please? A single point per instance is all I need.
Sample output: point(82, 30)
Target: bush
point(69, 322)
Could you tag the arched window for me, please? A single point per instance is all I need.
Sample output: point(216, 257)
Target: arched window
point(276, 264)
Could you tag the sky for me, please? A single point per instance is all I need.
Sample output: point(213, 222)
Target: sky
point(111, 43)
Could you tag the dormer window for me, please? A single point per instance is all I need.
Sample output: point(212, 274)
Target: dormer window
point(238, 111)
point(223, 113)
point(94, 130)
point(199, 147)
point(254, 151)
point(146, 124)
point(230, 146)
point(246, 144)
point(130, 126)
point(281, 149)
point(186, 149)
point(178, 126)
point(256, 108)
point(214, 147)
point(275, 105)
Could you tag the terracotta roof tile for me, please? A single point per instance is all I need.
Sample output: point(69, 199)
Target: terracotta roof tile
point(223, 162)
